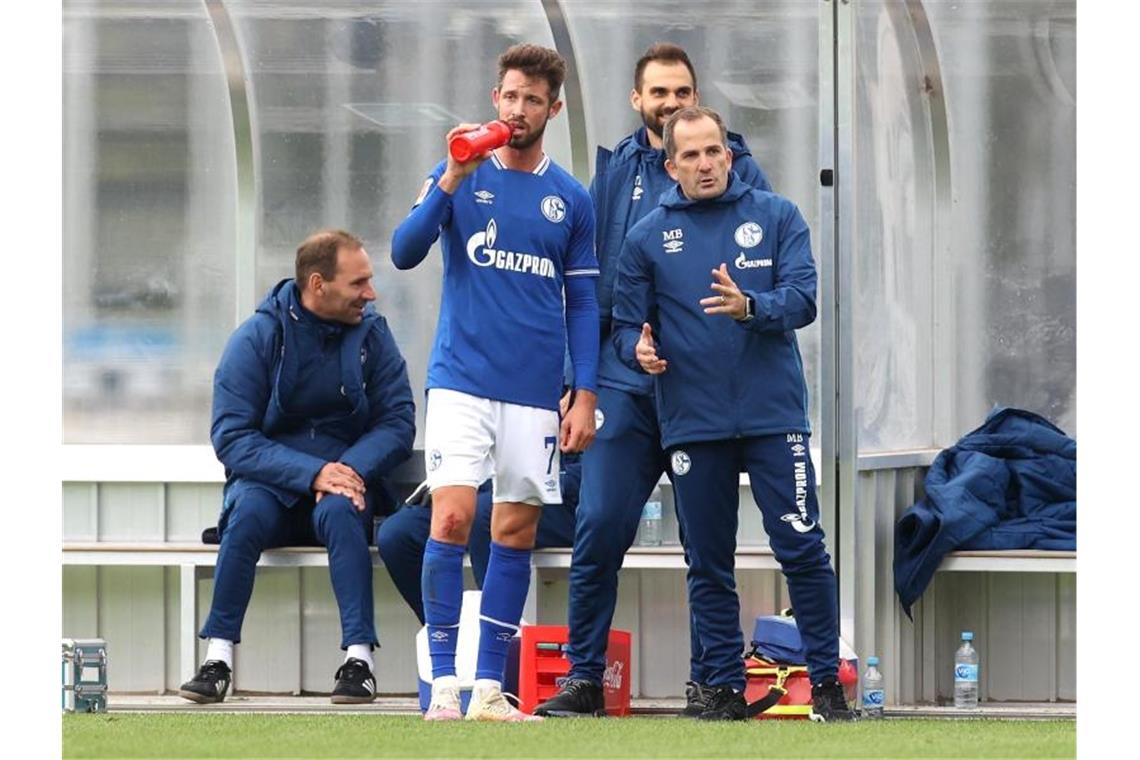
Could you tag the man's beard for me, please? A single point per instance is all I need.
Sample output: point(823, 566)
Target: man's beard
point(524, 141)
point(654, 124)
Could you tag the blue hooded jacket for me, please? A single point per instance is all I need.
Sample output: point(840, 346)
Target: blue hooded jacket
point(628, 183)
point(1010, 484)
point(264, 444)
point(725, 379)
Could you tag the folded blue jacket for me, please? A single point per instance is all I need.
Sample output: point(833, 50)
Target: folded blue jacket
point(1010, 484)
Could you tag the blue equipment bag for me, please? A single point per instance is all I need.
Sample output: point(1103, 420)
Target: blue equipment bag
point(777, 638)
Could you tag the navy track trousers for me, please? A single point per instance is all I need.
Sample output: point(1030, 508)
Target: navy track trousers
point(706, 482)
point(619, 472)
point(258, 521)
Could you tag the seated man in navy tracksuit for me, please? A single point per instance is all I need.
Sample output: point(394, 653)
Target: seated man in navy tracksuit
point(731, 394)
point(401, 538)
point(312, 408)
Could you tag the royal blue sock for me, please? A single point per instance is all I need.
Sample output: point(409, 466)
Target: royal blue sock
point(504, 594)
point(442, 582)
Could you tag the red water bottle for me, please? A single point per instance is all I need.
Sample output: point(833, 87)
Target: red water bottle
point(466, 145)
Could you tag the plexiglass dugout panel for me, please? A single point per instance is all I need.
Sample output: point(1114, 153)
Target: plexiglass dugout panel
point(149, 215)
point(965, 265)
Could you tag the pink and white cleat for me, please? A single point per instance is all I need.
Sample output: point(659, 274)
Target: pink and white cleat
point(444, 704)
point(489, 704)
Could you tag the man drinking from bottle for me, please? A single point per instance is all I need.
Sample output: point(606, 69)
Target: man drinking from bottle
point(517, 237)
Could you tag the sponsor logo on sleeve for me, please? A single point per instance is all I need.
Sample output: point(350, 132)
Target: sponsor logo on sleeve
point(423, 191)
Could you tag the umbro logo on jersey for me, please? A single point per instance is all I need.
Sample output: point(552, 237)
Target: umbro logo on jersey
point(673, 242)
point(481, 251)
point(554, 208)
point(746, 263)
point(434, 460)
point(551, 484)
point(638, 190)
point(484, 196)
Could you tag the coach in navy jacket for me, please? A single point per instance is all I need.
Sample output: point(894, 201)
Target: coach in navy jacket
point(626, 462)
point(312, 408)
point(731, 394)
point(633, 173)
point(266, 444)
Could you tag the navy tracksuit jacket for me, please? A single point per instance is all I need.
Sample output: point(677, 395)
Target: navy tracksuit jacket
point(733, 398)
point(291, 393)
point(625, 462)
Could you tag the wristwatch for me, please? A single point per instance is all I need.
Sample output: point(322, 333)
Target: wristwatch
point(749, 308)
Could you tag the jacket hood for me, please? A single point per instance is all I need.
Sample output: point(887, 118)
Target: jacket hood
point(636, 146)
point(674, 198)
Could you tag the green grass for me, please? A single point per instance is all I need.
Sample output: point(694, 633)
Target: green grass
point(327, 736)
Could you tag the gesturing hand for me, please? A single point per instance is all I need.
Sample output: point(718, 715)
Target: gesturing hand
point(730, 301)
point(646, 352)
point(336, 477)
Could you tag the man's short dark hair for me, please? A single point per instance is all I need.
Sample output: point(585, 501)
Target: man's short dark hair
point(318, 253)
point(662, 52)
point(690, 113)
point(534, 61)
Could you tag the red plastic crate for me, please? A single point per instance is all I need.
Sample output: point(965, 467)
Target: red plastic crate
point(543, 665)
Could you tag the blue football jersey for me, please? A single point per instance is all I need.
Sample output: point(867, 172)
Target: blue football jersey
point(510, 239)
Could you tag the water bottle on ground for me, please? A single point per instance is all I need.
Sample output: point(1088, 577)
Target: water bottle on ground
point(649, 532)
point(874, 695)
point(966, 674)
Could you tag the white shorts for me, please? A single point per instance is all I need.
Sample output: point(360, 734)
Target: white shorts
point(468, 439)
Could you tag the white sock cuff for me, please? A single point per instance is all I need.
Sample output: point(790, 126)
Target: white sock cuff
point(445, 682)
point(220, 649)
point(361, 652)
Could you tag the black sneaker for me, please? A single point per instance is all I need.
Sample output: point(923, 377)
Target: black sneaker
point(829, 703)
point(209, 684)
point(354, 683)
point(696, 699)
point(723, 703)
point(577, 699)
